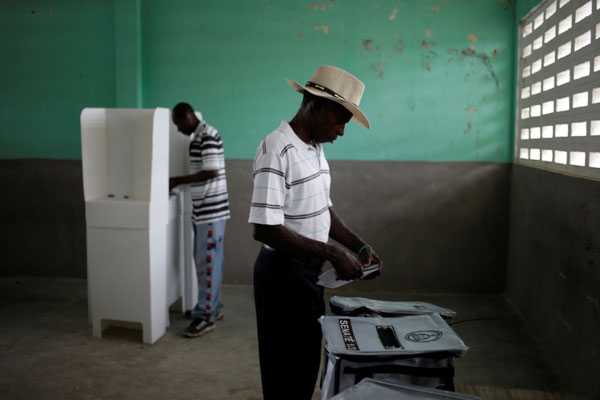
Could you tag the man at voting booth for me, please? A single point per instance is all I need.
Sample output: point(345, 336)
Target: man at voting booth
point(293, 217)
point(210, 203)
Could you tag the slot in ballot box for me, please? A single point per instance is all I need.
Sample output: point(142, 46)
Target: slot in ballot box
point(125, 164)
point(375, 389)
point(362, 307)
point(414, 350)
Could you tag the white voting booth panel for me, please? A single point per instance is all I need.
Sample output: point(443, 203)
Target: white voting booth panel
point(175, 230)
point(125, 174)
point(178, 166)
point(175, 249)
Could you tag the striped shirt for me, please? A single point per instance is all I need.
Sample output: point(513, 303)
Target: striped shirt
point(209, 198)
point(291, 185)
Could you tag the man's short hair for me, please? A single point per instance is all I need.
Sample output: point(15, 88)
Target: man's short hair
point(310, 100)
point(181, 110)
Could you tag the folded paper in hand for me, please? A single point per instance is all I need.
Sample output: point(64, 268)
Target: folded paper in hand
point(329, 280)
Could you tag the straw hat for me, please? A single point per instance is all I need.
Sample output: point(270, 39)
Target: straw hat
point(337, 85)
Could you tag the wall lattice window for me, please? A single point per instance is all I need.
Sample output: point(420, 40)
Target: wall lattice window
point(558, 97)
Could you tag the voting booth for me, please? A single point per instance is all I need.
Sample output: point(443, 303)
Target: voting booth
point(179, 165)
point(175, 229)
point(125, 178)
point(374, 389)
point(175, 254)
point(416, 349)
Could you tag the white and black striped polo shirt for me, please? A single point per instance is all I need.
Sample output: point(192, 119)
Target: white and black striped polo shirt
point(291, 185)
point(209, 198)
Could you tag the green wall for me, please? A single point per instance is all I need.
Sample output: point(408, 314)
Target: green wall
point(439, 74)
point(57, 57)
point(523, 8)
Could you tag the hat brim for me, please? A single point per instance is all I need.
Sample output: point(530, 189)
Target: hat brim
point(357, 115)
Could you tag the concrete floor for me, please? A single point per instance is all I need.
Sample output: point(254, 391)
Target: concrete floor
point(47, 350)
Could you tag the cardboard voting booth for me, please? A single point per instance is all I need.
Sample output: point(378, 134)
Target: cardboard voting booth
point(175, 227)
point(374, 389)
point(415, 349)
point(359, 306)
point(179, 165)
point(125, 177)
point(175, 254)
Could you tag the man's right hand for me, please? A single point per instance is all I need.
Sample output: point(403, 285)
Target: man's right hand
point(346, 266)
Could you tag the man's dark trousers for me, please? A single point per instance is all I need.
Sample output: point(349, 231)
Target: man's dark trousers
point(288, 305)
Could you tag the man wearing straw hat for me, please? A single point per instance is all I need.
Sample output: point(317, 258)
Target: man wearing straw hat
point(294, 219)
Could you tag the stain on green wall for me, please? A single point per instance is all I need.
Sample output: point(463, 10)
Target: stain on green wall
point(439, 73)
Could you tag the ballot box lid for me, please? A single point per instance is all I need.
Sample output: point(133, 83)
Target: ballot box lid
point(402, 336)
point(375, 389)
point(341, 305)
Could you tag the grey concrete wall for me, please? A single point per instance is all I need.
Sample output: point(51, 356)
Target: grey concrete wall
point(440, 227)
point(42, 218)
point(553, 276)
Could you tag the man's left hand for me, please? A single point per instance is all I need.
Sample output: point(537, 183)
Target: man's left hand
point(173, 183)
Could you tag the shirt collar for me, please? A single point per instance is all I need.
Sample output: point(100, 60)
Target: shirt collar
point(196, 132)
point(294, 139)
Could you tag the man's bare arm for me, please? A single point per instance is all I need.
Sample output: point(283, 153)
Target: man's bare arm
point(283, 239)
point(342, 234)
point(346, 237)
point(194, 178)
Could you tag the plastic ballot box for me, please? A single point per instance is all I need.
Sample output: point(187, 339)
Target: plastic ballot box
point(414, 350)
point(374, 389)
point(125, 178)
point(362, 307)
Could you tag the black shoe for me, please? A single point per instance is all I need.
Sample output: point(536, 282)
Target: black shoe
point(199, 327)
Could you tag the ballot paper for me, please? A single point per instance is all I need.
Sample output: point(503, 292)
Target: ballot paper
point(175, 191)
point(328, 278)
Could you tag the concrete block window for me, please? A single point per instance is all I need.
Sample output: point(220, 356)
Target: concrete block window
point(558, 103)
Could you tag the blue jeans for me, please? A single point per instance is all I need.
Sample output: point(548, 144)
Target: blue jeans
point(209, 259)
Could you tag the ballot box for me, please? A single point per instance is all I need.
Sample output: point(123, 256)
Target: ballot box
point(375, 389)
point(359, 306)
point(125, 179)
point(415, 349)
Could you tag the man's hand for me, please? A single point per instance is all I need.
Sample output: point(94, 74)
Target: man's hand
point(346, 266)
point(173, 183)
point(201, 176)
point(369, 257)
